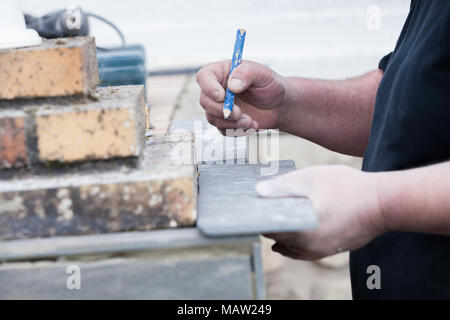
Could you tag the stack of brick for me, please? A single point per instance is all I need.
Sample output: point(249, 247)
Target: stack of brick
point(73, 157)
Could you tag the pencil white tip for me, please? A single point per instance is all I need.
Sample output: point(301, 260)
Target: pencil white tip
point(226, 114)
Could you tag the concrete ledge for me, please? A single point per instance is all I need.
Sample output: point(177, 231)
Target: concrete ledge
point(161, 193)
point(107, 243)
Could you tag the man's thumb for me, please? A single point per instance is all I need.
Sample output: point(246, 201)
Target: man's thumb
point(280, 187)
point(241, 79)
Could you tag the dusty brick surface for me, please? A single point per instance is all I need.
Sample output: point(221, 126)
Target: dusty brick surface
point(111, 127)
point(57, 67)
point(13, 152)
point(161, 193)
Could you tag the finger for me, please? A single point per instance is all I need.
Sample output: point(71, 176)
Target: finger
point(215, 108)
point(283, 250)
point(255, 125)
point(280, 237)
point(289, 185)
point(249, 74)
point(220, 122)
point(294, 252)
point(245, 127)
point(224, 126)
point(209, 79)
point(222, 131)
point(245, 122)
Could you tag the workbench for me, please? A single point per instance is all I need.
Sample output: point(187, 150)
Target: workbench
point(162, 264)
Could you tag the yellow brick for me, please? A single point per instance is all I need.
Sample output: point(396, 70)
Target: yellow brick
point(112, 127)
point(57, 67)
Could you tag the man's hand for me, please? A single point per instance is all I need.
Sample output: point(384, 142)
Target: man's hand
point(336, 114)
point(260, 93)
point(346, 203)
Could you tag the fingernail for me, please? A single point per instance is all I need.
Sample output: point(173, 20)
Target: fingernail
point(216, 94)
point(236, 84)
point(244, 122)
point(255, 125)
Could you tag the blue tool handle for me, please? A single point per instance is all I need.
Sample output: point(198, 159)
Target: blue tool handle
point(236, 61)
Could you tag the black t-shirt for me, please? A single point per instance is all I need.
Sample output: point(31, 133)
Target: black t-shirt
point(411, 128)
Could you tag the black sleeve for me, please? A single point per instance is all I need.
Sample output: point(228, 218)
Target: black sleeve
point(384, 62)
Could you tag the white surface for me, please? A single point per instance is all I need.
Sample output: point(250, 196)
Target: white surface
point(323, 38)
point(13, 32)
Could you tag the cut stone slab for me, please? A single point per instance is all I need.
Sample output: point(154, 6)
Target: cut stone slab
point(13, 150)
point(58, 67)
point(228, 204)
point(111, 127)
point(160, 194)
point(211, 147)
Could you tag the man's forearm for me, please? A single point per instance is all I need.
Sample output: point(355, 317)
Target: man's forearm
point(416, 200)
point(335, 114)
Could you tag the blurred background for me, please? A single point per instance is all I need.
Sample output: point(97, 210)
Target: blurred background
point(289, 35)
point(320, 38)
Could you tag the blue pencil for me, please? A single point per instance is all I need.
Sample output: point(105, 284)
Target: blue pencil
point(236, 61)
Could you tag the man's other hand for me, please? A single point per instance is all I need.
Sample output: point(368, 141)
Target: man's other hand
point(345, 201)
point(260, 95)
